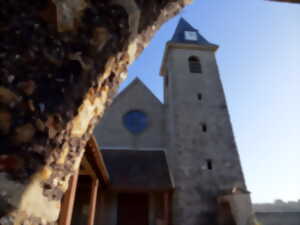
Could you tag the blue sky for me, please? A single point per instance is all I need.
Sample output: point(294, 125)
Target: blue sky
point(259, 62)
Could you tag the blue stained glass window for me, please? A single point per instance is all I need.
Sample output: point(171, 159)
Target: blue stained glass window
point(135, 121)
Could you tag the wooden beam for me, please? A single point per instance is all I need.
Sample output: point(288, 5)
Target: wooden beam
point(93, 201)
point(83, 170)
point(167, 208)
point(84, 173)
point(67, 205)
point(93, 148)
point(87, 166)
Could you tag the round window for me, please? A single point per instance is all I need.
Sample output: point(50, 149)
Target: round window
point(135, 121)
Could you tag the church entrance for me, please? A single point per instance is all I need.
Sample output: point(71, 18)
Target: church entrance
point(225, 214)
point(133, 209)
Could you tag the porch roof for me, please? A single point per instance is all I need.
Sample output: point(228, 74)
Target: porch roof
point(139, 171)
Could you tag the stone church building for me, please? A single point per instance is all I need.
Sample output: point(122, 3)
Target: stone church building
point(174, 162)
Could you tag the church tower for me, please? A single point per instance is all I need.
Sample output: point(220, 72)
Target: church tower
point(201, 150)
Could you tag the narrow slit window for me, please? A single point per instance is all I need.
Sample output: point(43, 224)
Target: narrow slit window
point(204, 127)
point(209, 164)
point(166, 81)
point(199, 96)
point(195, 65)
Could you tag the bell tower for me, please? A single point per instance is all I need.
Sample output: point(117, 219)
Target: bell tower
point(202, 153)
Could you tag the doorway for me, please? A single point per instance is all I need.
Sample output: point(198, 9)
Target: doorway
point(133, 209)
point(225, 214)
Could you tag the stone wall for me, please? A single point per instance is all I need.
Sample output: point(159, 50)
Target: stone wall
point(278, 218)
point(278, 206)
point(191, 147)
point(135, 97)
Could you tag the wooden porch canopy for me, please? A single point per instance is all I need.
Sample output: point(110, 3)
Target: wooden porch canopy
point(92, 165)
point(135, 172)
point(138, 171)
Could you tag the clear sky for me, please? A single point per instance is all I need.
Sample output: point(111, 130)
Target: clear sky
point(259, 62)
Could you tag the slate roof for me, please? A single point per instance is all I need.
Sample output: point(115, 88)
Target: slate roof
point(183, 26)
point(137, 170)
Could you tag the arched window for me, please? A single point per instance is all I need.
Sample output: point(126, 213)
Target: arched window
point(194, 64)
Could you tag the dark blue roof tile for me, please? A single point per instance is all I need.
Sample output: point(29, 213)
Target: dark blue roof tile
point(183, 26)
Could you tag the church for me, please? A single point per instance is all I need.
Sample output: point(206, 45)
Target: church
point(174, 162)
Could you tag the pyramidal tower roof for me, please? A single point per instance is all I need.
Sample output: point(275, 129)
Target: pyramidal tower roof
point(180, 35)
point(186, 36)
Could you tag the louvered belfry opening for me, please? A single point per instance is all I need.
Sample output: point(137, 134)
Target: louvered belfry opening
point(195, 65)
